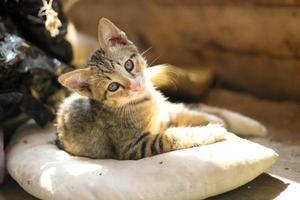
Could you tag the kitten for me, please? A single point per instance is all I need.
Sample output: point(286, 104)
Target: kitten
point(117, 113)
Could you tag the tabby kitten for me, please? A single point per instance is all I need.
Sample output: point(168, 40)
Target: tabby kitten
point(117, 113)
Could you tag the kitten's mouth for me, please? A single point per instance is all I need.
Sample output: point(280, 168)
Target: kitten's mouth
point(138, 94)
point(138, 88)
point(140, 91)
point(140, 99)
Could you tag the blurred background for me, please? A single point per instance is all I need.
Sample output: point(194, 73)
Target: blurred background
point(252, 45)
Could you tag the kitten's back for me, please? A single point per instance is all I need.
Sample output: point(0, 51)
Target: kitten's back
point(78, 130)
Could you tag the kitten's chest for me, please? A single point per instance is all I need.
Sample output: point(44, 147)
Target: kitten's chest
point(160, 119)
point(155, 116)
point(149, 117)
point(152, 117)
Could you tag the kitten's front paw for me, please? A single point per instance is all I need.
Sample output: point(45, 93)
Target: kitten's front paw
point(211, 134)
point(211, 138)
point(212, 119)
point(237, 123)
point(258, 129)
point(249, 127)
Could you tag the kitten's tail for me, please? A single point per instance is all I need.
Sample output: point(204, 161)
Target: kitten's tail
point(237, 123)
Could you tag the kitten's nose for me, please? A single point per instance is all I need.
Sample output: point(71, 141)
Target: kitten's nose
point(136, 87)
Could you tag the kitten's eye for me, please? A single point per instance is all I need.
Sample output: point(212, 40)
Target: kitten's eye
point(114, 86)
point(129, 65)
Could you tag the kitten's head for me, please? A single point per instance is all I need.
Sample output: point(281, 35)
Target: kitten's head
point(114, 74)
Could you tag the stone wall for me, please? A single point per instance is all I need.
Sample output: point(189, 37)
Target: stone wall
point(253, 45)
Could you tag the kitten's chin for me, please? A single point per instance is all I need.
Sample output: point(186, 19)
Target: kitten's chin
point(135, 97)
point(138, 96)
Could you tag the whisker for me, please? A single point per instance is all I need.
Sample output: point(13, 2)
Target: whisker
point(95, 79)
point(144, 52)
point(98, 84)
point(154, 60)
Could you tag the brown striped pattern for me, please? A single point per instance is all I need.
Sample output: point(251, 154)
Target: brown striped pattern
point(148, 145)
point(101, 62)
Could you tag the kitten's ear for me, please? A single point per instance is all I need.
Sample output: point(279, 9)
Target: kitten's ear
point(110, 36)
point(77, 81)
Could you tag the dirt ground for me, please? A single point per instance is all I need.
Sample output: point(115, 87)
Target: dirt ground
point(282, 120)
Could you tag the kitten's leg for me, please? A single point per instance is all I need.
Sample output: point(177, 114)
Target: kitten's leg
point(195, 115)
point(172, 139)
point(237, 123)
point(181, 115)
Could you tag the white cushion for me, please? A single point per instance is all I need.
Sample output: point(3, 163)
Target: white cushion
point(49, 173)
